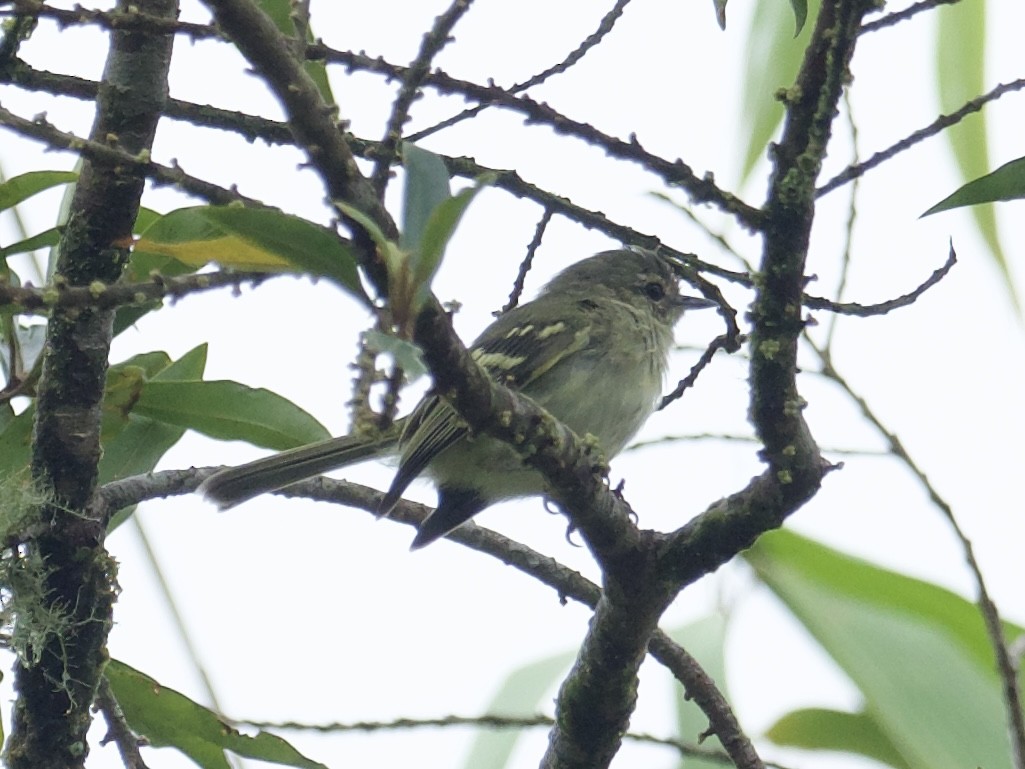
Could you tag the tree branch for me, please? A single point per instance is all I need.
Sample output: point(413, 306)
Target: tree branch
point(56, 684)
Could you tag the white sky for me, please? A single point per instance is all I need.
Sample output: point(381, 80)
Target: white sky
point(314, 613)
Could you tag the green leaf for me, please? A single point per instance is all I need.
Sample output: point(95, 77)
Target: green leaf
point(144, 263)
point(280, 12)
point(705, 640)
point(918, 653)
point(772, 60)
point(426, 188)
point(46, 239)
point(167, 718)
point(1006, 183)
point(230, 411)
point(960, 62)
point(138, 444)
point(15, 442)
point(145, 218)
point(821, 729)
point(519, 695)
point(800, 8)
point(20, 188)
point(305, 245)
point(438, 231)
point(188, 367)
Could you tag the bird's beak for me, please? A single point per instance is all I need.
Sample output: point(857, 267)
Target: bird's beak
point(694, 303)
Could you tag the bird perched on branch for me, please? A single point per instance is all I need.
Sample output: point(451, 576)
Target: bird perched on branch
point(591, 349)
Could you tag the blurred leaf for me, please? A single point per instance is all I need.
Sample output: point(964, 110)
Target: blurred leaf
point(21, 188)
point(720, 13)
point(960, 62)
point(821, 729)
point(705, 640)
point(230, 411)
point(519, 695)
point(773, 58)
point(1006, 183)
point(440, 227)
point(800, 8)
point(15, 441)
point(280, 12)
point(31, 340)
point(426, 188)
point(918, 653)
point(407, 355)
point(167, 718)
point(45, 239)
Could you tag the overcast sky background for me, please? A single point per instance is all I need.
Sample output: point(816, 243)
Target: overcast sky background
point(315, 613)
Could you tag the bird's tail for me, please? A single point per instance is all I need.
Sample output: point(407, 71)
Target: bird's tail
point(229, 487)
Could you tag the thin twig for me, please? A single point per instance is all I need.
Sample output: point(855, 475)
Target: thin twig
point(131, 19)
point(867, 310)
point(487, 721)
point(528, 261)
point(41, 130)
point(722, 342)
point(939, 124)
point(436, 38)
point(41, 301)
point(605, 26)
point(895, 18)
point(118, 730)
point(702, 189)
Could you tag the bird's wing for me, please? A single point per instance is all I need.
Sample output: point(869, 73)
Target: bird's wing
point(509, 350)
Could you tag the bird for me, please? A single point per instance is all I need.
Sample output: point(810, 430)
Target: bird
point(592, 349)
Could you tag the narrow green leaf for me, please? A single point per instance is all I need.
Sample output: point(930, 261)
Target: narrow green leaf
point(1006, 183)
point(800, 8)
point(705, 640)
point(821, 729)
point(167, 718)
point(441, 225)
point(308, 246)
point(918, 653)
point(21, 188)
point(230, 411)
point(960, 64)
point(46, 239)
point(772, 61)
point(519, 695)
point(426, 188)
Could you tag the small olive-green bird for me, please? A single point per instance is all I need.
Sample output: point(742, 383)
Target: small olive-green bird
point(591, 349)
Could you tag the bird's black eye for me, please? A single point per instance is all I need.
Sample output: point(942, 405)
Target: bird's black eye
point(656, 292)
